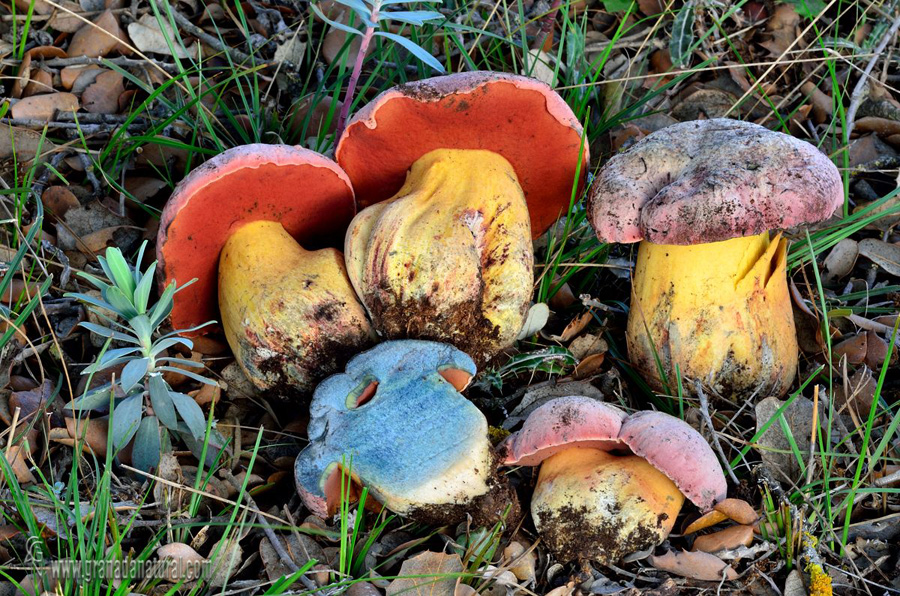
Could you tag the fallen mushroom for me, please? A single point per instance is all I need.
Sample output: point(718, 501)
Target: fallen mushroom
point(710, 290)
point(396, 422)
point(289, 314)
point(611, 484)
point(456, 175)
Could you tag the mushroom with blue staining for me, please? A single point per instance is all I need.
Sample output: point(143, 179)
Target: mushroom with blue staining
point(396, 421)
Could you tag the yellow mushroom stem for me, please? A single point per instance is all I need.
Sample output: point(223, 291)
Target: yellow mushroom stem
point(592, 504)
point(290, 315)
point(720, 311)
point(449, 257)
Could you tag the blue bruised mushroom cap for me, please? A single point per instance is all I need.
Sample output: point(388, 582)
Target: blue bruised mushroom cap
point(395, 419)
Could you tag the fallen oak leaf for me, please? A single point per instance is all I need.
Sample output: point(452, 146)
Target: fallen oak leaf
point(442, 567)
point(44, 107)
point(99, 38)
point(148, 36)
point(883, 254)
point(694, 565)
point(102, 97)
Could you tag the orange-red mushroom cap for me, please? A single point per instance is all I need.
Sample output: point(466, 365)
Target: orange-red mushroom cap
point(669, 444)
point(304, 191)
point(520, 118)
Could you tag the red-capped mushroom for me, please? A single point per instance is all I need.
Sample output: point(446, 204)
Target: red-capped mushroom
point(457, 174)
point(611, 484)
point(233, 224)
point(710, 288)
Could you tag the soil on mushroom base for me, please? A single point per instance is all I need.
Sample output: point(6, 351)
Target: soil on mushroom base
point(572, 534)
point(464, 326)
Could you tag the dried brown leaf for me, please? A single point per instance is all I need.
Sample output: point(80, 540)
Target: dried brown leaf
point(102, 97)
point(729, 538)
point(774, 446)
point(695, 565)
point(840, 260)
point(99, 38)
point(427, 563)
point(44, 107)
point(884, 254)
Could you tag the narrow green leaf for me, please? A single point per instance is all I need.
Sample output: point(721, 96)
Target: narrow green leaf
point(187, 373)
point(133, 372)
point(121, 272)
point(126, 418)
point(335, 24)
point(415, 50)
point(121, 304)
point(165, 344)
point(94, 399)
point(145, 453)
point(682, 35)
point(142, 292)
point(190, 412)
point(142, 328)
point(161, 401)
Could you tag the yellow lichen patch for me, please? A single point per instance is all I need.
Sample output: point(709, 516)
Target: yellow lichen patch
point(290, 315)
point(720, 311)
point(449, 257)
point(590, 503)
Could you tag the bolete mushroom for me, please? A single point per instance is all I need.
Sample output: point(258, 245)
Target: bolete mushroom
point(611, 484)
point(456, 174)
point(396, 422)
point(710, 287)
point(289, 314)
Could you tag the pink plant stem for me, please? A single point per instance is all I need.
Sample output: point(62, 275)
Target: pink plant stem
point(547, 23)
point(354, 76)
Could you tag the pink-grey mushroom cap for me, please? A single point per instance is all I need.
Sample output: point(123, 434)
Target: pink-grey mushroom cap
point(669, 444)
point(711, 180)
point(563, 423)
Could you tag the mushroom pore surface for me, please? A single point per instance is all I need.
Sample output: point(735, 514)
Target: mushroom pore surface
point(290, 315)
point(449, 257)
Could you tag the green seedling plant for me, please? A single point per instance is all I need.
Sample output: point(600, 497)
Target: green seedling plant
point(144, 408)
point(372, 15)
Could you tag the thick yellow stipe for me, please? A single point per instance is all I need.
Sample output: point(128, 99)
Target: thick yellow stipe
point(449, 257)
point(594, 505)
point(290, 315)
point(720, 311)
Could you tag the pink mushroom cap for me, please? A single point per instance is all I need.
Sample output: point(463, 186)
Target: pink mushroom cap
point(669, 444)
point(711, 180)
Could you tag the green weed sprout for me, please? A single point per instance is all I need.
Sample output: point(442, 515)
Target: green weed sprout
point(141, 385)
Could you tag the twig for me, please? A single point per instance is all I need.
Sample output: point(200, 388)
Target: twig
point(270, 534)
point(123, 62)
point(88, 166)
point(704, 411)
point(857, 96)
point(206, 38)
point(87, 129)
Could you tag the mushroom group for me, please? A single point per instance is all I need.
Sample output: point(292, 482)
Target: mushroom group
point(611, 484)
point(710, 290)
point(455, 177)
